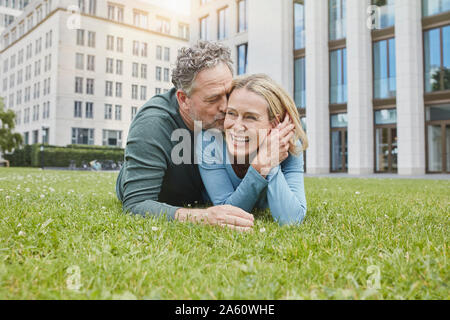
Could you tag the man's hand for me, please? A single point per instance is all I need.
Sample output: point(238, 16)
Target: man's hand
point(224, 216)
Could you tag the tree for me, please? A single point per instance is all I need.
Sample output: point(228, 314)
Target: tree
point(8, 139)
point(441, 79)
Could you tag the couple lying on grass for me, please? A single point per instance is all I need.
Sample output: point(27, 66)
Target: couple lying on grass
point(248, 153)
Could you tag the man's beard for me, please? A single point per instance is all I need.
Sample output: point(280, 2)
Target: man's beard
point(217, 123)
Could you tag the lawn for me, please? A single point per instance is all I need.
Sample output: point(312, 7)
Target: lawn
point(63, 236)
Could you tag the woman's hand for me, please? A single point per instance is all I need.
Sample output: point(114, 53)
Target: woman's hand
point(275, 148)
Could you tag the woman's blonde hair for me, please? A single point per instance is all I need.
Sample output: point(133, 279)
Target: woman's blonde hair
point(279, 103)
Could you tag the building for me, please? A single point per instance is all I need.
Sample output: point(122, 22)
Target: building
point(372, 83)
point(76, 71)
point(9, 10)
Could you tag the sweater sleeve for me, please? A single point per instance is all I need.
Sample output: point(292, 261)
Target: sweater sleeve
point(212, 165)
point(147, 158)
point(286, 192)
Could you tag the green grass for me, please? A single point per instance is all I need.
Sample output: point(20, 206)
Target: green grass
point(60, 229)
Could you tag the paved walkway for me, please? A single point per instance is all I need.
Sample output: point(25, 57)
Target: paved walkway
point(380, 176)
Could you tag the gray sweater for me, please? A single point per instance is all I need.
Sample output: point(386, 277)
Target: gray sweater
point(149, 183)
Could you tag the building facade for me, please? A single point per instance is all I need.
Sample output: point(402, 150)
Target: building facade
point(77, 71)
point(371, 78)
point(9, 10)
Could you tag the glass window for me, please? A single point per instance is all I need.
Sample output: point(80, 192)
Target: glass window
point(92, 7)
point(133, 112)
point(339, 120)
point(108, 111)
point(299, 83)
point(387, 116)
point(119, 66)
point(386, 15)
point(167, 54)
point(135, 70)
point(134, 91)
point(242, 16)
point(91, 39)
point(82, 136)
point(144, 71)
point(108, 88)
point(143, 92)
point(222, 24)
point(299, 25)
point(136, 48)
point(144, 50)
point(112, 138)
point(78, 85)
point(119, 89)
point(438, 112)
point(338, 76)
point(384, 69)
point(77, 109)
point(158, 73)
point(109, 42)
point(204, 34)
point(89, 86)
point(337, 19)
point(432, 7)
point(89, 110)
point(80, 37)
point(119, 44)
point(158, 52)
point(118, 113)
point(183, 31)
point(435, 152)
point(339, 154)
point(166, 74)
point(242, 58)
point(109, 65)
point(163, 25)
point(437, 59)
point(79, 61)
point(91, 63)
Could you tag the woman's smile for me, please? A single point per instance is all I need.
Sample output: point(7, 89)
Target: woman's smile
point(246, 122)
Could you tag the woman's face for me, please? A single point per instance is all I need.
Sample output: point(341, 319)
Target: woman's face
point(246, 122)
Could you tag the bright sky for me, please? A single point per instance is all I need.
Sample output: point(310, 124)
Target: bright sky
point(180, 6)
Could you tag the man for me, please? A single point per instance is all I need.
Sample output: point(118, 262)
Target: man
point(150, 183)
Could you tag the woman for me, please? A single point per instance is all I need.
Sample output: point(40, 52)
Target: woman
point(260, 164)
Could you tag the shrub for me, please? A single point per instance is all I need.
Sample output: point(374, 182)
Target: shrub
point(54, 156)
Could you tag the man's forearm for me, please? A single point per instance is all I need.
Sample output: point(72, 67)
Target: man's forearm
point(191, 215)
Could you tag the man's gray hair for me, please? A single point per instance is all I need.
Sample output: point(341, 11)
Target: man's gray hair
point(192, 60)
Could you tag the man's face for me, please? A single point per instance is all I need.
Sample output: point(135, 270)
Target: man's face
point(208, 101)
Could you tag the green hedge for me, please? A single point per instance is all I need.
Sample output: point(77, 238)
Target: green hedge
point(21, 157)
point(31, 156)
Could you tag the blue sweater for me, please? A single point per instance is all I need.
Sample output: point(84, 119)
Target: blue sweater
point(282, 191)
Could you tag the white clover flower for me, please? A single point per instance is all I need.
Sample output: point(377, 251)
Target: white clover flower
point(21, 234)
point(8, 197)
point(19, 225)
point(51, 189)
point(27, 189)
point(357, 192)
point(155, 228)
point(42, 196)
point(262, 230)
